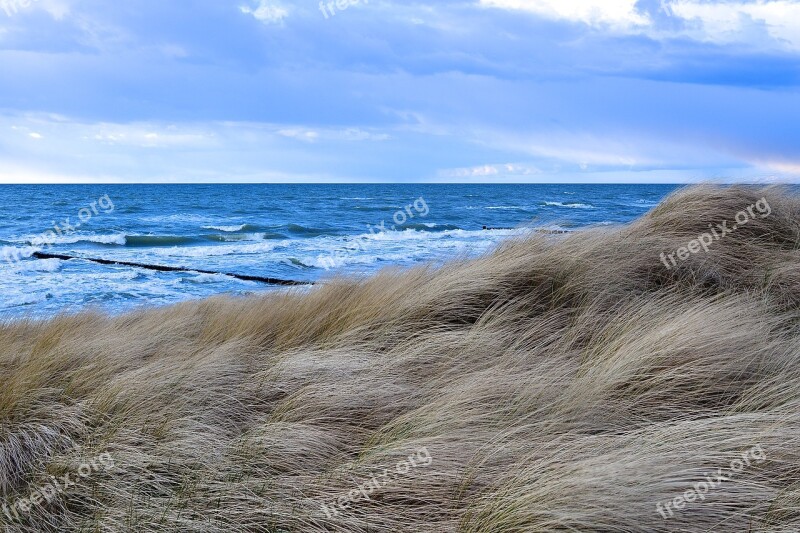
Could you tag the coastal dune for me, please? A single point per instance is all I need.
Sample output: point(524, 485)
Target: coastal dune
point(584, 382)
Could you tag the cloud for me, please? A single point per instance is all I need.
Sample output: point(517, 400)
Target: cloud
point(300, 134)
point(81, 150)
point(11, 173)
point(557, 86)
point(787, 168)
point(576, 149)
point(497, 170)
point(731, 22)
point(146, 136)
point(613, 13)
point(348, 134)
point(604, 146)
point(762, 23)
point(267, 12)
point(588, 151)
point(58, 9)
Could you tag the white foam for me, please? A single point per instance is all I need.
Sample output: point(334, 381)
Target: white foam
point(414, 235)
point(227, 229)
point(570, 205)
point(343, 258)
point(13, 254)
point(243, 237)
point(180, 217)
point(399, 247)
point(23, 299)
point(44, 265)
point(214, 251)
point(555, 228)
point(118, 239)
point(207, 278)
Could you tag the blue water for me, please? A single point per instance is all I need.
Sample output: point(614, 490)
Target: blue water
point(299, 232)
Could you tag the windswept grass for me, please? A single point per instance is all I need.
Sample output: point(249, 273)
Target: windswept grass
point(559, 384)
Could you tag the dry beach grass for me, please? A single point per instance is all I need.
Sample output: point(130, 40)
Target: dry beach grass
point(558, 384)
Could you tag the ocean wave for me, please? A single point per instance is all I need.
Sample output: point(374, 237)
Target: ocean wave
point(24, 300)
point(215, 251)
point(393, 246)
point(552, 229)
point(498, 207)
point(309, 231)
point(181, 217)
point(240, 228)
point(416, 235)
point(388, 210)
point(430, 227)
point(43, 265)
point(293, 261)
point(142, 241)
point(206, 278)
point(146, 241)
point(343, 258)
point(37, 240)
point(241, 237)
point(227, 229)
point(571, 205)
point(15, 253)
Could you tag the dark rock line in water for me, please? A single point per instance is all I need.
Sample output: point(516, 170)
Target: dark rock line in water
point(160, 268)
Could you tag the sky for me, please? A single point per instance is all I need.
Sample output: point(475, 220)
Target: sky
point(492, 91)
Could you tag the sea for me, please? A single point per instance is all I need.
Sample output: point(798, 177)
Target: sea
point(303, 233)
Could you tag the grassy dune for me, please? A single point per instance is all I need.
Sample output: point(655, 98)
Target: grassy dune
point(558, 384)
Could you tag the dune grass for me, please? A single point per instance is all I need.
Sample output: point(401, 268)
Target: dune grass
point(559, 384)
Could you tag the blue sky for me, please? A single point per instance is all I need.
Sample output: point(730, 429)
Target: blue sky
point(465, 91)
